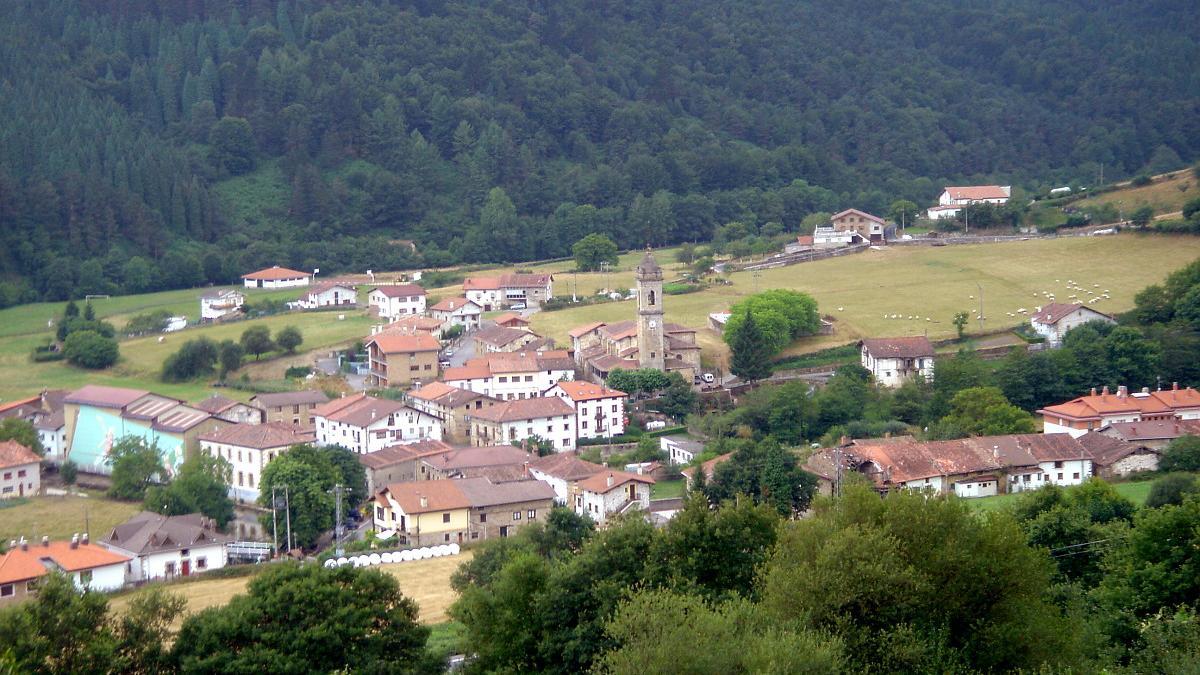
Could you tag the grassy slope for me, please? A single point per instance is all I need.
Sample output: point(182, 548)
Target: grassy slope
point(60, 517)
point(922, 281)
point(1165, 196)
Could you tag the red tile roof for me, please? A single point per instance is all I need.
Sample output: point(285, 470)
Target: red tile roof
point(525, 409)
point(104, 397)
point(565, 466)
point(13, 453)
point(275, 273)
point(1057, 311)
point(511, 319)
point(580, 331)
point(856, 212)
point(468, 372)
point(1094, 406)
point(260, 436)
point(578, 390)
point(481, 284)
point(390, 342)
point(20, 565)
point(399, 290)
point(452, 304)
point(978, 192)
point(599, 484)
point(898, 347)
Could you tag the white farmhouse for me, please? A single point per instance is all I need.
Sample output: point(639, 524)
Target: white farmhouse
point(680, 449)
point(220, 303)
point(894, 360)
point(365, 424)
point(165, 547)
point(512, 375)
point(249, 448)
point(611, 493)
point(92, 568)
point(1054, 320)
point(20, 471)
point(599, 411)
point(397, 301)
point(1098, 410)
point(457, 312)
point(329, 295)
point(275, 277)
point(953, 199)
point(512, 422)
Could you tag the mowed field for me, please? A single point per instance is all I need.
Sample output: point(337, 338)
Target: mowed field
point(61, 517)
point(1134, 491)
point(142, 358)
point(425, 581)
point(932, 283)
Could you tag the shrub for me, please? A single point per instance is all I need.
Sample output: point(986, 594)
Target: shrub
point(89, 349)
point(68, 472)
point(196, 357)
point(297, 371)
point(1172, 488)
point(1141, 180)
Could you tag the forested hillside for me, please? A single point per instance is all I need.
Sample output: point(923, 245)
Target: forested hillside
point(147, 145)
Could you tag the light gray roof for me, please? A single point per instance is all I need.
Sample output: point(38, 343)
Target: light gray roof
point(303, 397)
point(148, 532)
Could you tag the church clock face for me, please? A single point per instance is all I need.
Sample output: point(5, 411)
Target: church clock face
point(653, 323)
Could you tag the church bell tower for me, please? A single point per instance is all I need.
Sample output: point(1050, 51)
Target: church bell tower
point(652, 344)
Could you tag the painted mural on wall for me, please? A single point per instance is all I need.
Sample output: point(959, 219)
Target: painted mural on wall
point(97, 429)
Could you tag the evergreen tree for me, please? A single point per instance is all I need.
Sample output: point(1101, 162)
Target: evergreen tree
point(751, 354)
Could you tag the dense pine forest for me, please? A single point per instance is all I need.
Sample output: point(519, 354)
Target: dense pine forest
point(149, 145)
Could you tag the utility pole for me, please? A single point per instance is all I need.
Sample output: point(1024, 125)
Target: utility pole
point(274, 524)
point(756, 274)
point(338, 530)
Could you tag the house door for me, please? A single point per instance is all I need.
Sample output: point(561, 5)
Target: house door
point(460, 537)
point(504, 530)
point(20, 489)
point(187, 567)
point(632, 492)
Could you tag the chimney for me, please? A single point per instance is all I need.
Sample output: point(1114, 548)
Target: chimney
point(1174, 386)
point(996, 453)
point(75, 540)
point(1122, 391)
point(84, 539)
point(1093, 391)
point(1145, 390)
point(610, 480)
point(1105, 391)
point(45, 541)
point(24, 544)
point(424, 502)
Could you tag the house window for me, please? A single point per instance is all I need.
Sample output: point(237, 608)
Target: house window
point(474, 535)
point(516, 515)
point(1075, 475)
point(531, 514)
point(7, 475)
point(8, 590)
point(445, 517)
point(201, 563)
point(483, 517)
point(446, 537)
point(21, 473)
point(1060, 475)
point(169, 568)
point(379, 513)
point(85, 577)
point(1058, 465)
point(295, 410)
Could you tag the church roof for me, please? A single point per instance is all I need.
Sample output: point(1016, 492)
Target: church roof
point(648, 266)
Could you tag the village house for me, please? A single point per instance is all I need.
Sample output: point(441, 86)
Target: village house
point(611, 493)
point(397, 301)
point(802, 244)
point(399, 360)
point(1153, 434)
point(230, 410)
point(20, 471)
point(492, 293)
point(1054, 320)
point(451, 405)
point(397, 463)
point(366, 424)
point(509, 376)
point(411, 325)
point(1113, 457)
point(45, 413)
point(96, 416)
point(709, 468)
point(249, 448)
point(292, 407)
point(90, 567)
point(220, 303)
point(892, 361)
point(599, 411)
point(165, 547)
point(275, 277)
point(968, 467)
point(561, 472)
point(825, 237)
point(458, 511)
point(680, 449)
point(457, 312)
point(497, 463)
point(513, 422)
point(647, 342)
point(866, 226)
point(329, 294)
point(1090, 413)
point(511, 320)
point(953, 199)
point(501, 339)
